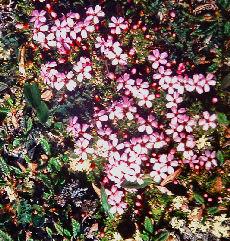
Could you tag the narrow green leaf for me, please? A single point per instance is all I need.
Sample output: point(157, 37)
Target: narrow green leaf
point(54, 165)
point(198, 198)
point(220, 157)
point(144, 237)
point(3, 86)
point(59, 228)
point(45, 145)
point(76, 226)
point(105, 203)
point(148, 225)
point(67, 232)
point(163, 236)
point(136, 185)
point(49, 231)
point(4, 110)
point(46, 180)
point(43, 112)
point(225, 83)
point(32, 95)
point(4, 167)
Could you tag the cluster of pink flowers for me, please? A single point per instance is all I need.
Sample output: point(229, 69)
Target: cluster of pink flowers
point(128, 157)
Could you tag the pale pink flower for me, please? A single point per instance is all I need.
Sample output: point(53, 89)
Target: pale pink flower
point(173, 100)
point(199, 82)
point(146, 99)
point(163, 74)
point(208, 121)
point(157, 58)
point(83, 28)
point(94, 14)
point(118, 24)
point(209, 81)
point(82, 148)
point(208, 160)
point(38, 17)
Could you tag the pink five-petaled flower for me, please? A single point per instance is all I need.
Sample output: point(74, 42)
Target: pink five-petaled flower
point(99, 117)
point(93, 14)
point(209, 81)
point(83, 68)
point(38, 17)
point(147, 125)
point(83, 28)
point(157, 58)
point(184, 141)
point(82, 148)
point(198, 83)
point(162, 75)
point(145, 99)
point(208, 121)
point(117, 25)
point(208, 159)
point(173, 100)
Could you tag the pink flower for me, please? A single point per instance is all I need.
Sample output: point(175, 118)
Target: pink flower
point(173, 100)
point(208, 160)
point(209, 81)
point(176, 113)
point(157, 58)
point(83, 68)
point(199, 82)
point(94, 14)
point(163, 74)
point(181, 68)
point(100, 117)
point(146, 99)
point(147, 125)
point(117, 24)
point(125, 82)
point(38, 17)
point(208, 121)
point(82, 148)
point(83, 28)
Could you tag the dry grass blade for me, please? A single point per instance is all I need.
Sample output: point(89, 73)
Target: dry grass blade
point(171, 177)
point(97, 190)
point(22, 68)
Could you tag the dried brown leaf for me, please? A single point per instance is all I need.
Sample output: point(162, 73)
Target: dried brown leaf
point(14, 121)
point(218, 185)
point(47, 95)
point(171, 177)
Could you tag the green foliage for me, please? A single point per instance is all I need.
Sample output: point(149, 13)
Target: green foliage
point(222, 118)
point(198, 198)
point(148, 225)
point(33, 97)
point(162, 237)
point(220, 157)
point(105, 203)
point(24, 212)
point(76, 227)
point(4, 167)
point(5, 236)
point(49, 231)
point(147, 181)
point(38, 220)
point(45, 145)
